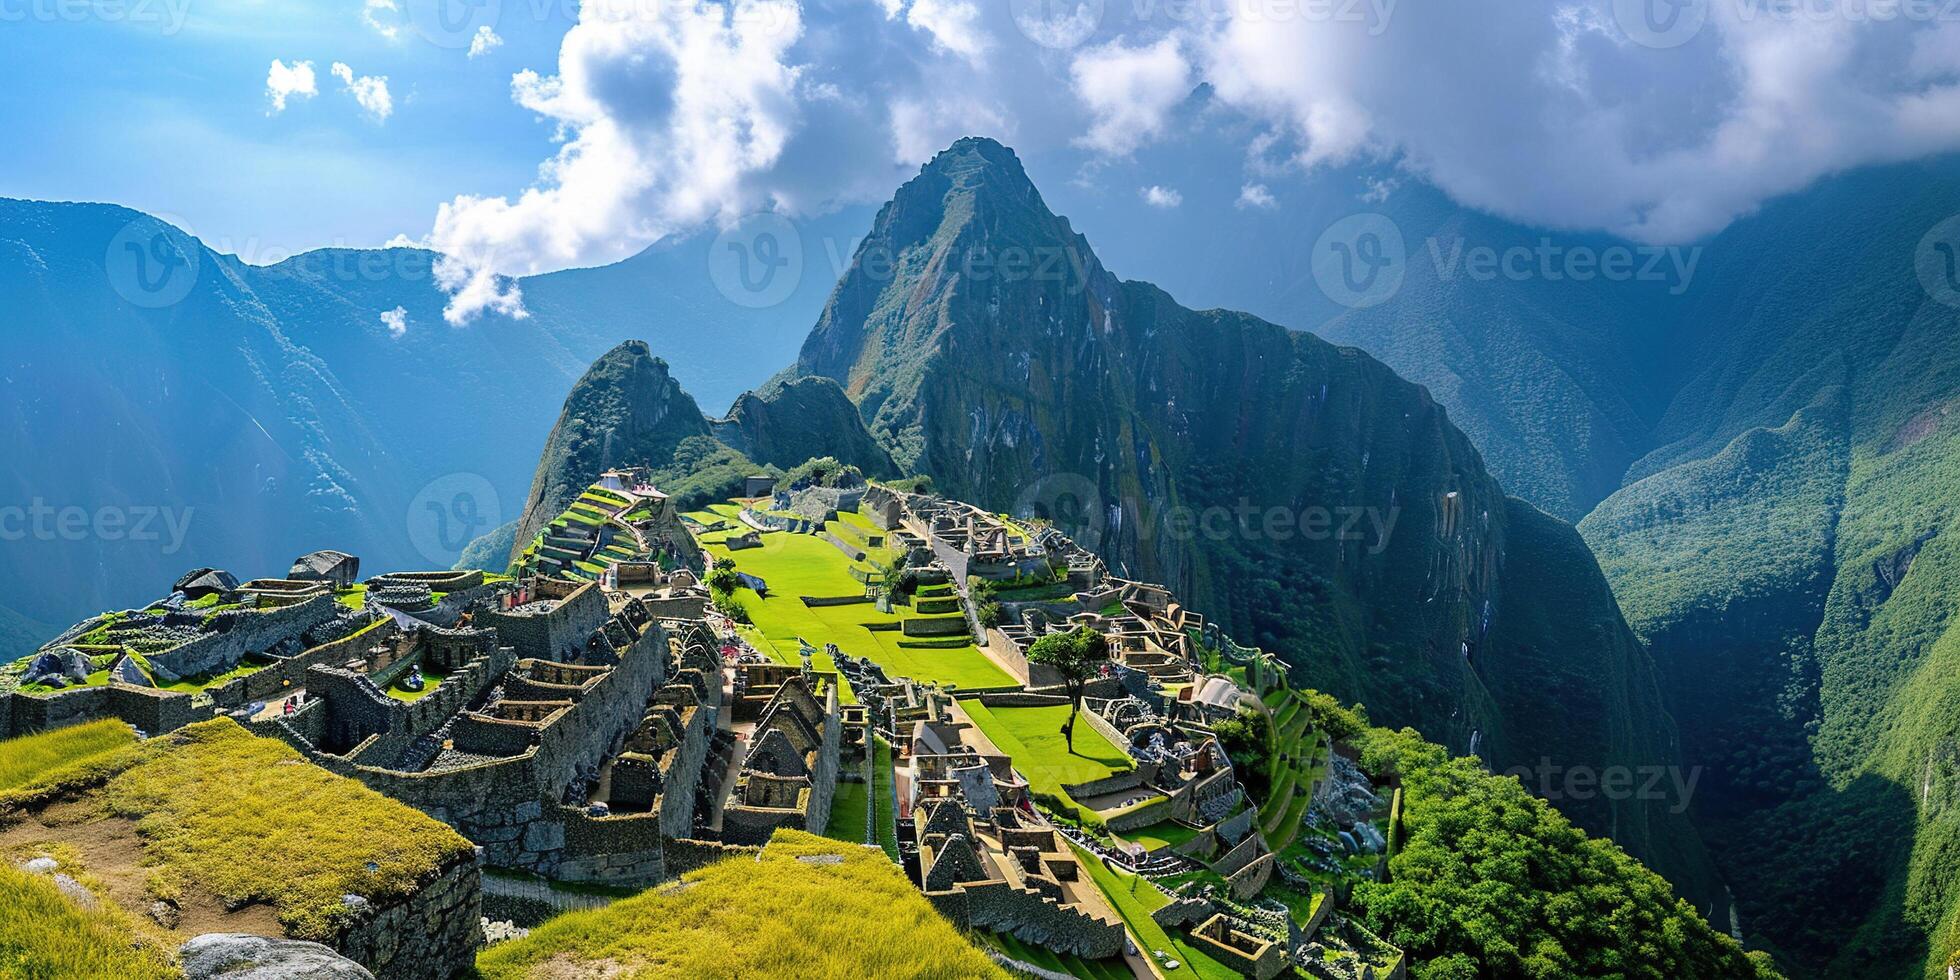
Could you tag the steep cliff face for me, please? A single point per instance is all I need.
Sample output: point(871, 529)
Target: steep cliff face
point(1788, 551)
point(626, 411)
point(791, 420)
point(1299, 492)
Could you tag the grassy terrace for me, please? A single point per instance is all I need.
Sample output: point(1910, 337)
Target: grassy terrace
point(30, 757)
point(431, 679)
point(885, 797)
point(805, 906)
point(1134, 899)
point(243, 818)
point(1033, 736)
point(44, 936)
point(796, 565)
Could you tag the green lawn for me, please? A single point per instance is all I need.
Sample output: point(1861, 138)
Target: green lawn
point(1134, 900)
point(1033, 736)
point(847, 810)
point(430, 680)
point(884, 797)
point(247, 820)
point(1164, 834)
point(796, 565)
point(191, 685)
point(45, 935)
point(30, 756)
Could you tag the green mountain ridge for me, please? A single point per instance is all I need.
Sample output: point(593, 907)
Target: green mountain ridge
point(1120, 414)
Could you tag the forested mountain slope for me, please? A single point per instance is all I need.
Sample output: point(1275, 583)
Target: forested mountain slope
point(1166, 436)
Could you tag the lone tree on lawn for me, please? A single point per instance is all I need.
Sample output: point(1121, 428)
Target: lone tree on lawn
point(1076, 656)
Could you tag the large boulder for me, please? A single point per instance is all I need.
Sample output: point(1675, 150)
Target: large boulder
point(57, 668)
point(338, 567)
point(235, 956)
point(200, 582)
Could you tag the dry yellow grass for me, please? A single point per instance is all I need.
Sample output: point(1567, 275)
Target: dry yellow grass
point(847, 912)
point(44, 936)
point(31, 757)
point(249, 820)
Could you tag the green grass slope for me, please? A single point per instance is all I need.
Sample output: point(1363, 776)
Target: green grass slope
point(805, 906)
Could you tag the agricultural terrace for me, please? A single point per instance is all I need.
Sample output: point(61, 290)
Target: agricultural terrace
point(1134, 898)
point(224, 824)
point(45, 935)
point(1033, 737)
point(805, 906)
point(1298, 760)
point(29, 757)
point(797, 565)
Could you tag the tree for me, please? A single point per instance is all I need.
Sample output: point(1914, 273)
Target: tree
point(1075, 656)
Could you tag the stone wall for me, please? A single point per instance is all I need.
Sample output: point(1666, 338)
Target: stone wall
point(271, 681)
point(1027, 915)
point(510, 806)
point(432, 934)
point(239, 632)
point(148, 709)
point(559, 634)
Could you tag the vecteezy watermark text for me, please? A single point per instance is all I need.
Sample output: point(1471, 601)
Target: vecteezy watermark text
point(1672, 266)
point(1549, 781)
point(42, 521)
point(170, 14)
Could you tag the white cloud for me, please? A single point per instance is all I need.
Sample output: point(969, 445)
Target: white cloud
point(1556, 117)
point(369, 91)
point(484, 42)
point(1129, 92)
point(396, 320)
point(953, 25)
point(1159, 196)
point(667, 111)
point(383, 16)
point(1256, 196)
point(293, 81)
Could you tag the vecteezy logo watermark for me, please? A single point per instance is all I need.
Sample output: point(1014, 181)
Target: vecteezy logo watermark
point(151, 264)
point(758, 262)
point(1058, 24)
point(1071, 502)
point(1937, 262)
point(1554, 783)
point(42, 521)
point(449, 513)
point(1660, 24)
point(1359, 261)
point(1671, 265)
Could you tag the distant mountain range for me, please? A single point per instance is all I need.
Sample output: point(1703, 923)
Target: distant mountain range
point(184, 408)
point(1754, 441)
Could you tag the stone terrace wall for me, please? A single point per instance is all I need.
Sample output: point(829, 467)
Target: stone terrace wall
point(151, 710)
point(262, 685)
point(556, 635)
point(510, 806)
point(243, 632)
point(432, 934)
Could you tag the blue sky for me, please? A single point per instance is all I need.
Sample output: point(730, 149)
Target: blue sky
point(177, 122)
point(588, 132)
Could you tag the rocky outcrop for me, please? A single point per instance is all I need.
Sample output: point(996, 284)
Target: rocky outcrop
point(626, 411)
point(794, 419)
point(236, 956)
